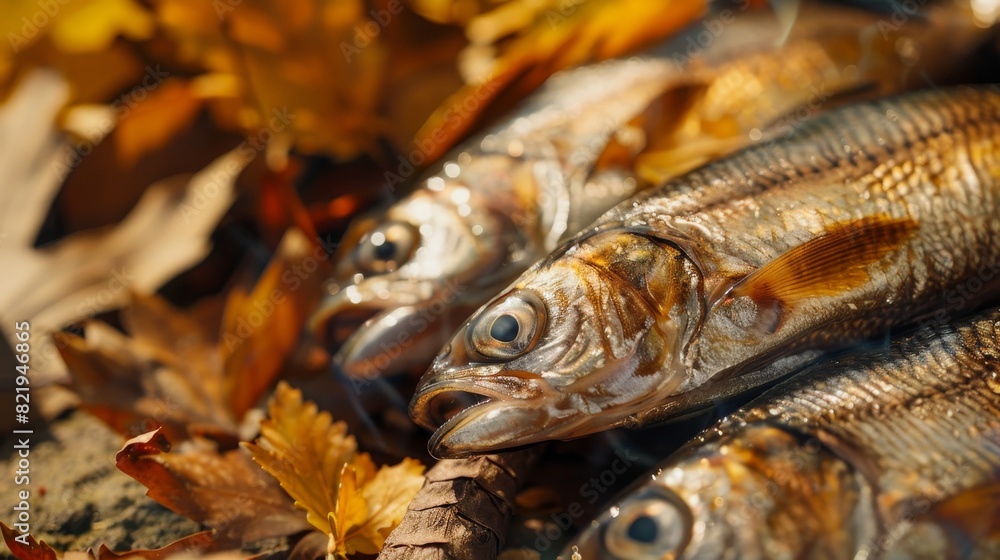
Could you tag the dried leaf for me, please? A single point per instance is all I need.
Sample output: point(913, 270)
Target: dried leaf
point(25, 547)
point(152, 122)
point(197, 371)
point(318, 465)
point(520, 43)
point(94, 271)
point(225, 491)
point(261, 330)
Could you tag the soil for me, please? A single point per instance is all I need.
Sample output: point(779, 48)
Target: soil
point(77, 497)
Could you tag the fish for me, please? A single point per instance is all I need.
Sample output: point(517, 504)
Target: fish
point(406, 278)
point(887, 452)
point(862, 219)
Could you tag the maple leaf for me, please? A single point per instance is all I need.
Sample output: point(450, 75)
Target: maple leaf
point(319, 466)
point(197, 371)
point(225, 491)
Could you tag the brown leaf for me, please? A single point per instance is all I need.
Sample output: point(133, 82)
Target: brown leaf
point(90, 272)
point(198, 371)
point(225, 491)
point(24, 546)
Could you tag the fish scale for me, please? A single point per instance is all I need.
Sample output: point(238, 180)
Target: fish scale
point(723, 279)
point(896, 435)
point(873, 455)
point(589, 138)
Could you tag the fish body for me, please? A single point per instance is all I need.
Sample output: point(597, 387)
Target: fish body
point(886, 453)
point(407, 278)
point(863, 219)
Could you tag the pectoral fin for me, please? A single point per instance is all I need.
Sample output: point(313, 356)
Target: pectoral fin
point(831, 264)
point(975, 513)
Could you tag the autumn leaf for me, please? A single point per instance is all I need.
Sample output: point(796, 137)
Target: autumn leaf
point(93, 271)
point(197, 371)
point(225, 491)
point(25, 547)
point(319, 466)
point(518, 44)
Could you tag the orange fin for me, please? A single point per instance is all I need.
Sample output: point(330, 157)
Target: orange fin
point(828, 265)
point(975, 513)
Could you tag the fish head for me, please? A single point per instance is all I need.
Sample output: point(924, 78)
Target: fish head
point(579, 343)
point(748, 490)
point(408, 277)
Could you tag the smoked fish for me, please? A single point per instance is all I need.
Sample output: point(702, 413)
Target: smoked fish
point(865, 218)
point(408, 277)
point(886, 453)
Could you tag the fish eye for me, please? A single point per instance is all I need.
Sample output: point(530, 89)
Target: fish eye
point(656, 526)
point(507, 329)
point(386, 248)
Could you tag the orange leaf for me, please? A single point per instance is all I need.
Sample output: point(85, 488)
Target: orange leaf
point(147, 125)
point(261, 330)
point(24, 546)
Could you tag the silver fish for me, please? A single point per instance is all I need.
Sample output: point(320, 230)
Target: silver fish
point(407, 278)
point(887, 453)
point(866, 217)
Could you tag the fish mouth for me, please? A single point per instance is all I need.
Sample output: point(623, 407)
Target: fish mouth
point(380, 329)
point(470, 421)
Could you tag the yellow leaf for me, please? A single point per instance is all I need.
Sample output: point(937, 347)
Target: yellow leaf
point(351, 511)
point(306, 451)
point(388, 494)
point(94, 25)
point(317, 463)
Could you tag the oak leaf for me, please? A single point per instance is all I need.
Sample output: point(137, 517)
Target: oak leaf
point(319, 466)
point(93, 271)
